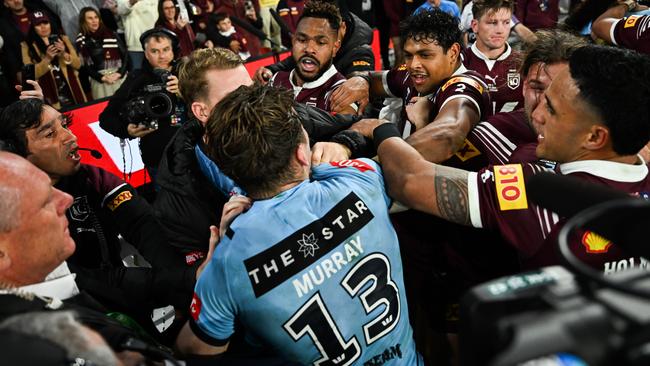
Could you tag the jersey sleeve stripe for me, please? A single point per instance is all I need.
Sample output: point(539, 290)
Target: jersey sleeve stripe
point(478, 107)
point(203, 336)
point(503, 156)
point(499, 136)
point(384, 83)
point(111, 193)
point(611, 32)
point(473, 198)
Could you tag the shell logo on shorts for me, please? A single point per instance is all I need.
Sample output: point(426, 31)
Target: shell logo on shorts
point(595, 243)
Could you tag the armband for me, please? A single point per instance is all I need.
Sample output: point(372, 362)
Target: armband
point(383, 132)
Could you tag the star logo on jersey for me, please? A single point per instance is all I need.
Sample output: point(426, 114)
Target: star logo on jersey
point(513, 80)
point(595, 243)
point(308, 245)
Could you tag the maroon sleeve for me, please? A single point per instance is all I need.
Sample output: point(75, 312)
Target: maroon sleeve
point(498, 201)
point(466, 85)
point(396, 81)
point(633, 33)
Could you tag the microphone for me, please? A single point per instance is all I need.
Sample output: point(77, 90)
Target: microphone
point(283, 26)
point(247, 26)
point(94, 153)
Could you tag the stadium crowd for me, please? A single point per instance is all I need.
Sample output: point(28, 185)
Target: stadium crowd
point(329, 208)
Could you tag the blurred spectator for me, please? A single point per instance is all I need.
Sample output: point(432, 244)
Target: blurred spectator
point(202, 9)
point(169, 17)
point(247, 11)
point(538, 14)
point(14, 26)
point(104, 55)
point(395, 12)
point(447, 6)
point(7, 92)
point(69, 11)
point(269, 25)
point(223, 34)
point(137, 17)
point(56, 62)
point(289, 11)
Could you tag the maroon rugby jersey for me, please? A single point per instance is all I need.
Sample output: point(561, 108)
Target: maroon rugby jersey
point(497, 200)
point(538, 14)
point(461, 84)
point(493, 142)
point(632, 32)
point(315, 93)
point(501, 75)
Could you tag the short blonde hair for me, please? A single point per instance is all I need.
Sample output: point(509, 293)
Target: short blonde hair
point(191, 73)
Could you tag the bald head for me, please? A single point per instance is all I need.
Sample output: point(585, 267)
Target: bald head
point(34, 236)
point(11, 167)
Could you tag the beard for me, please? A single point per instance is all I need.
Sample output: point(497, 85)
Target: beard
point(323, 68)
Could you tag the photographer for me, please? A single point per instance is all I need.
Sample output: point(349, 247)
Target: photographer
point(146, 105)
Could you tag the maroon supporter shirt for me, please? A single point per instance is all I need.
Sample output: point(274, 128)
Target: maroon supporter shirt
point(632, 32)
point(315, 93)
point(501, 75)
point(538, 14)
point(497, 200)
point(462, 84)
point(290, 11)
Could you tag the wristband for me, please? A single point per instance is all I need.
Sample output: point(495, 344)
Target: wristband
point(383, 132)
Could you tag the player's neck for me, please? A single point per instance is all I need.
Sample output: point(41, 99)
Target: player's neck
point(491, 53)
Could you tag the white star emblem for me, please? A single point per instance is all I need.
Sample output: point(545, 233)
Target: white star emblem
point(308, 244)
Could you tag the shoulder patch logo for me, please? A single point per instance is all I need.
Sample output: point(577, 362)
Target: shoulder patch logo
point(357, 164)
point(467, 151)
point(360, 63)
point(119, 199)
point(402, 67)
point(510, 187)
point(631, 21)
point(195, 307)
point(595, 243)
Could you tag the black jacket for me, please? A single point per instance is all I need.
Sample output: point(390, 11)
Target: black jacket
point(113, 121)
point(354, 55)
point(187, 203)
point(105, 206)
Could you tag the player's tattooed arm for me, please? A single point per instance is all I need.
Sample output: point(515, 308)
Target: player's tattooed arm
point(424, 186)
point(452, 194)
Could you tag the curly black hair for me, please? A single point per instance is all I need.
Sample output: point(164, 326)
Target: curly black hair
point(616, 83)
point(431, 26)
point(322, 10)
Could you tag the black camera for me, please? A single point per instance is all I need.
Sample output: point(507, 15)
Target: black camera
point(154, 103)
point(571, 315)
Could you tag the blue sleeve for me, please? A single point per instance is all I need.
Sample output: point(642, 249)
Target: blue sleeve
point(211, 171)
point(213, 308)
point(366, 173)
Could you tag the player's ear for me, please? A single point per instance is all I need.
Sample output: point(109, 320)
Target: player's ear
point(200, 111)
point(474, 25)
point(598, 137)
point(453, 53)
